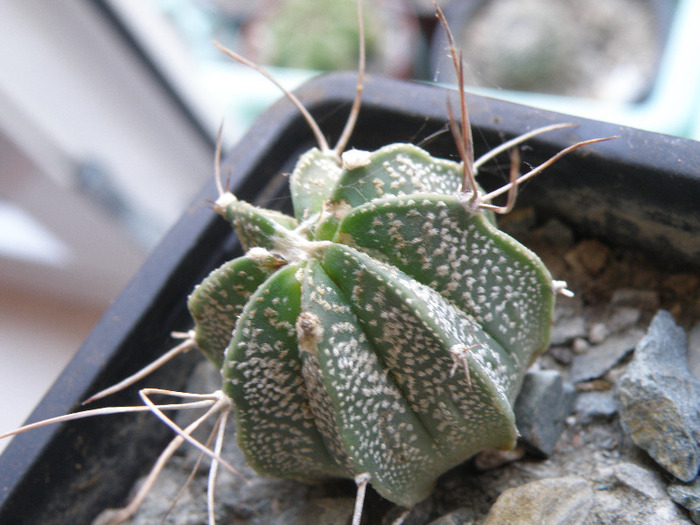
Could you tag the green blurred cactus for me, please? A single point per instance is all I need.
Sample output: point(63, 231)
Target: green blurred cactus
point(316, 34)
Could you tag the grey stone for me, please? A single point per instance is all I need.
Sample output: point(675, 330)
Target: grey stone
point(623, 317)
point(461, 516)
point(554, 501)
point(594, 406)
point(601, 358)
point(659, 399)
point(567, 330)
point(541, 409)
point(580, 346)
point(597, 333)
point(187, 510)
point(646, 299)
point(694, 351)
point(561, 354)
point(688, 496)
point(642, 480)
point(630, 494)
point(264, 497)
point(321, 511)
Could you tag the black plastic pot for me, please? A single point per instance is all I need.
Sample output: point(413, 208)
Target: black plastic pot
point(640, 190)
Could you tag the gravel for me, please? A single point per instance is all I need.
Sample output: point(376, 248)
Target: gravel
point(590, 461)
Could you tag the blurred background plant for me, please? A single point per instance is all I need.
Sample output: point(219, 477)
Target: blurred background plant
point(312, 34)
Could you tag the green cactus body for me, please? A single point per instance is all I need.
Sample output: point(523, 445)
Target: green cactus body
point(385, 329)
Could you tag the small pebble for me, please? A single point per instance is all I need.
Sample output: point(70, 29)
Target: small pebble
point(580, 345)
point(561, 354)
point(596, 405)
point(320, 511)
point(688, 496)
point(551, 501)
point(640, 479)
point(568, 329)
point(601, 358)
point(597, 333)
point(541, 409)
point(623, 317)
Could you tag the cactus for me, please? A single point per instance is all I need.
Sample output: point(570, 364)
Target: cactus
point(343, 360)
point(328, 42)
point(380, 334)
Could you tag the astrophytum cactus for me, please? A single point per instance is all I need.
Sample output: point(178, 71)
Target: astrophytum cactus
point(380, 334)
point(384, 330)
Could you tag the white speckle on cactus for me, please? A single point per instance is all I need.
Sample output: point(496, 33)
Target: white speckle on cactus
point(355, 158)
point(338, 209)
point(258, 254)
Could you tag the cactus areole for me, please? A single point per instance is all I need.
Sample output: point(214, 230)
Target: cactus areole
point(384, 330)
